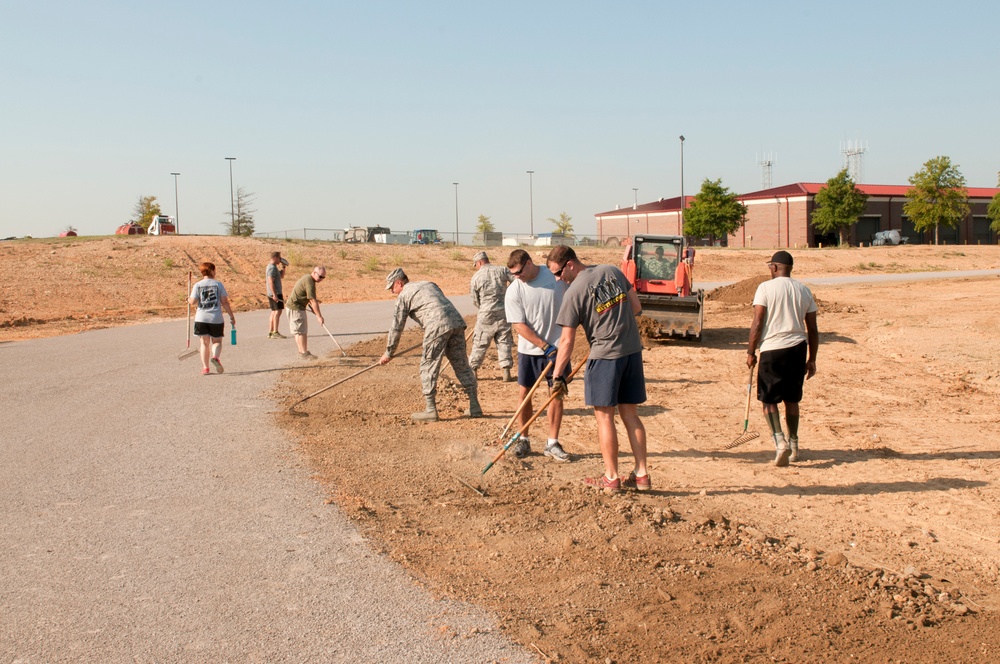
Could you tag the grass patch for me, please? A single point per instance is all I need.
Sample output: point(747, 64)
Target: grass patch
point(168, 262)
point(371, 264)
point(294, 257)
point(456, 255)
point(342, 254)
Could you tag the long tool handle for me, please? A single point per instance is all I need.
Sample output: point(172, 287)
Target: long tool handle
point(527, 424)
point(344, 380)
point(336, 343)
point(746, 416)
point(526, 400)
point(188, 298)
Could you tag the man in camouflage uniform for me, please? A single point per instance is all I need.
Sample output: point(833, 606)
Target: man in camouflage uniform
point(487, 288)
point(444, 336)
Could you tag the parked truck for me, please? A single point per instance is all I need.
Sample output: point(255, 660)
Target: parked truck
point(424, 236)
point(363, 233)
point(660, 267)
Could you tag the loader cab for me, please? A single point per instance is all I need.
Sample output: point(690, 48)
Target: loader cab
point(650, 264)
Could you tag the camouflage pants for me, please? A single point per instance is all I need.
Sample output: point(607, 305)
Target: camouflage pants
point(451, 345)
point(497, 332)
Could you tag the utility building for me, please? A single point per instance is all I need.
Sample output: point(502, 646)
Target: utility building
point(782, 217)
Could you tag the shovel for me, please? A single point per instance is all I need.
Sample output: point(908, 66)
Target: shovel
point(745, 437)
point(187, 352)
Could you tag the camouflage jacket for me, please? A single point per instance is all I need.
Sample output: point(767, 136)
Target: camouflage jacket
point(488, 286)
point(424, 302)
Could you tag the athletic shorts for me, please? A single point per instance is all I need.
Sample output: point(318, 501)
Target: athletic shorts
point(214, 330)
point(278, 303)
point(609, 383)
point(780, 374)
point(297, 322)
point(529, 368)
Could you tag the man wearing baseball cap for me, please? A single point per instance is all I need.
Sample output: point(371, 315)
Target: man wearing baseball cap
point(488, 287)
point(784, 327)
point(275, 298)
point(444, 336)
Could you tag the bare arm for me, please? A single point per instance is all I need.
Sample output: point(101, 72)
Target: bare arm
point(759, 312)
point(524, 330)
point(812, 334)
point(633, 300)
point(228, 309)
point(314, 305)
point(566, 340)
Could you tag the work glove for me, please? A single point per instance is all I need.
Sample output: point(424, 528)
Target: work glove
point(550, 353)
point(559, 388)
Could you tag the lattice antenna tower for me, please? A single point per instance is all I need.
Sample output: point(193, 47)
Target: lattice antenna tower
point(766, 162)
point(854, 159)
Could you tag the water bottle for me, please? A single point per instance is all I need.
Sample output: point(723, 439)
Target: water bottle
point(232, 335)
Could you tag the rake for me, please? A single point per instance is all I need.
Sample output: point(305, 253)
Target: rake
point(187, 352)
point(526, 400)
point(746, 436)
point(538, 412)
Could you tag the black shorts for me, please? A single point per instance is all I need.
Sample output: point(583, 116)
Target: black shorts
point(214, 330)
point(529, 368)
point(781, 373)
point(277, 303)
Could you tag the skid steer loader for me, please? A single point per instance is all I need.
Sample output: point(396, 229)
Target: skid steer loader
point(659, 267)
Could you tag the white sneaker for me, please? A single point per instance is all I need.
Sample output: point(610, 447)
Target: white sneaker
point(794, 445)
point(556, 451)
point(782, 451)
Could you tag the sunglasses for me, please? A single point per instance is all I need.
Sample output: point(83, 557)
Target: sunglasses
point(517, 273)
point(558, 273)
point(321, 277)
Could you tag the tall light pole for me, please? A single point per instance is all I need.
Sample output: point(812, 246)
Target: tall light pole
point(531, 206)
point(232, 204)
point(635, 197)
point(456, 213)
point(680, 216)
point(177, 215)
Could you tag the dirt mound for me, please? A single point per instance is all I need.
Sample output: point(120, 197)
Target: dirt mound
point(741, 292)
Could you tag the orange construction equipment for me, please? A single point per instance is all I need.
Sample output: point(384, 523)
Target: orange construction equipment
point(660, 268)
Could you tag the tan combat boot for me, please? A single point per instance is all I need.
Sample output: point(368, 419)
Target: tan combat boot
point(474, 409)
point(507, 378)
point(428, 415)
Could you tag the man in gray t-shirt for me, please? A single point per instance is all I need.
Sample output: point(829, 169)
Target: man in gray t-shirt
point(603, 302)
point(275, 295)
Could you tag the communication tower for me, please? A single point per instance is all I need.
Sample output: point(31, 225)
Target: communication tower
point(854, 159)
point(765, 162)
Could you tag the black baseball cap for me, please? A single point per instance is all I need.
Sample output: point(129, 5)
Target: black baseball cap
point(781, 258)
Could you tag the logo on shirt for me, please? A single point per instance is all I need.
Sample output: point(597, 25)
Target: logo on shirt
point(209, 297)
point(608, 293)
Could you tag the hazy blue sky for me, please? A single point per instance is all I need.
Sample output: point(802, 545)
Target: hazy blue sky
point(366, 112)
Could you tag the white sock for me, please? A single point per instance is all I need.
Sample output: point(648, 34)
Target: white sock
point(552, 441)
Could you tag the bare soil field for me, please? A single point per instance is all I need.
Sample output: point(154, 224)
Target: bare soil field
point(881, 545)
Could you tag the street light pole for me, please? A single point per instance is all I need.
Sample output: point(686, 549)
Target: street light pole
point(680, 216)
point(635, 197)
point(531, 206)
point(232, 204)
point(456, 213)
point(177, 215)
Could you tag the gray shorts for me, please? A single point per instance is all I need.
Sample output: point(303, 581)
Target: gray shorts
point(297, 322)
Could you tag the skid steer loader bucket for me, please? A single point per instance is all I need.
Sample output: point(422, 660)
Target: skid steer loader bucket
point(674, 316)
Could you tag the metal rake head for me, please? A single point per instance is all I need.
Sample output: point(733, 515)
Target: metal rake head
point(744, 438)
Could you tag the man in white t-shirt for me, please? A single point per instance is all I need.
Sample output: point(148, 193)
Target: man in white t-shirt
point(532, 303)
point(784, 327)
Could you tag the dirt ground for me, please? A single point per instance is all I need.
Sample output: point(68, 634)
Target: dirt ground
point(882, 544)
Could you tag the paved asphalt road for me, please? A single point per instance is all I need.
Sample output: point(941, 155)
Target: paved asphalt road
point(150, 513)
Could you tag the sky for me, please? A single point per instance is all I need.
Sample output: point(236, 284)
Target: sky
point(366, 113)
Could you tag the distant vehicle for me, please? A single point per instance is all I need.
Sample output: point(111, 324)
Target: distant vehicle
point(424, 236)
point(162, 225)
point(659, 267)
point(68, 234)
point(890, 238)
point(131, 228)
point(363, 233)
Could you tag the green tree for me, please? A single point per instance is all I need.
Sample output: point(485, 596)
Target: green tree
point(937, 196)
point(715, 212)
point(484, 225)
point(146, 209)
point(240, 219)
point(838, 205)
point(993, 212)
point(563, 224)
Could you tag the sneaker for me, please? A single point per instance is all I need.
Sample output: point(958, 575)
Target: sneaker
point(278, 335)
point(781, 450)
point(522, 448)
point(633, 481)
point(307, 356)
point(217, 365)
point(206, 371)
point(604, 483)
point(556, 451)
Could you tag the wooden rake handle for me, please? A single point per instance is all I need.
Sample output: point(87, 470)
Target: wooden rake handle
point(344, 380)
point(527, 424)
point(526, 400)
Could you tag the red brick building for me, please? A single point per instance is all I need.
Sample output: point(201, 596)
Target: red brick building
point(782, 217)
